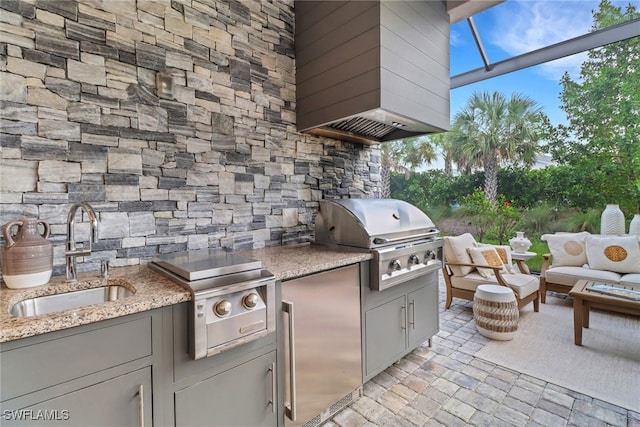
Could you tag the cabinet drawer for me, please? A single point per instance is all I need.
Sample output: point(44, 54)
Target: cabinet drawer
point(115, 402)
point(40, 364)
point(241, 396)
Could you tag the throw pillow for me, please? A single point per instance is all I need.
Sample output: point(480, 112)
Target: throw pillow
point(567, 249)
point(505, 255)
point(620, 254)
point(486, 255)
point(455, 250)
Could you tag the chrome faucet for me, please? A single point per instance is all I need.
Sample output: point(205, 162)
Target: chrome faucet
point(72, 248)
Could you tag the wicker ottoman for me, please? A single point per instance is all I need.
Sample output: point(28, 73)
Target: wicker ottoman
point(495, 312)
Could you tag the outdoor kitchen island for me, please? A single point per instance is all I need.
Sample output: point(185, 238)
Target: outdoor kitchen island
point(54, 359)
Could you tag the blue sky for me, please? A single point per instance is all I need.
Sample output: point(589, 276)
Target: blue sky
point(516, 27)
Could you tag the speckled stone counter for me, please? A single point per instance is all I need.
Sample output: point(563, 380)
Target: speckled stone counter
point(153, 290)
point(289, 262)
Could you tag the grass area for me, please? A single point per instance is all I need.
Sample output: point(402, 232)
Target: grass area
point(540, 248)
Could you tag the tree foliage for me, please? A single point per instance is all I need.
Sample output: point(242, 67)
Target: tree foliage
point(598, 151)
point(601, 143)
point(492, 130)
point(403, 156)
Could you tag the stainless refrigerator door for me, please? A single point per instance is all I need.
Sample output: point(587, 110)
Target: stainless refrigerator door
point(326, 341)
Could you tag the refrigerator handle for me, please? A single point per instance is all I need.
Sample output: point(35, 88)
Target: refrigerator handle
point(290, 410)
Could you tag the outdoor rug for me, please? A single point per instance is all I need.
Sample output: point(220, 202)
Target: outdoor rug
point(606, 366)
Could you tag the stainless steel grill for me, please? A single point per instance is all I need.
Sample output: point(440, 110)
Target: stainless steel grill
point(402, 238)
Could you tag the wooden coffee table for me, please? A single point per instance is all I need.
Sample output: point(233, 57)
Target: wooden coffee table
point(584, 300)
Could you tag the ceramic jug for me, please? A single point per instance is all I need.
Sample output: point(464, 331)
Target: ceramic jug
point(27, 258)
point(520, 244)
point(612, 221)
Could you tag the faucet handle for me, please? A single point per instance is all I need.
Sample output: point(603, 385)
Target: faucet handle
point(104, 268)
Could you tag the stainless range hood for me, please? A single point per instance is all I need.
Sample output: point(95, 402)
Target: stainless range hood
point(372, 71)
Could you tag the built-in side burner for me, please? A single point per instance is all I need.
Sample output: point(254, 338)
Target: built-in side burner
point(233, 298)
point(206, 263)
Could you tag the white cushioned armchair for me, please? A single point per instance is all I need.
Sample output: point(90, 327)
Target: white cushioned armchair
point(469, 264)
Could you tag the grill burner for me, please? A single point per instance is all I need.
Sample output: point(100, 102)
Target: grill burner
point(402, 239)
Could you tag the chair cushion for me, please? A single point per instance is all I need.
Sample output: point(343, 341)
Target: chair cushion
point(471, 281)
point(486, 255)
point(522, 284)
point(567, 248)
point(614, 253)
point(505, 255)
point(569, 276)
point(455, 250)
point(630, 280)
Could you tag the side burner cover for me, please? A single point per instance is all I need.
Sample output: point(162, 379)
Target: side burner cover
point(205, 263)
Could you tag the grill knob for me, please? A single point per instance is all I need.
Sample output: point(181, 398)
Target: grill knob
point(395, 265)
point(250, 301)
point(413, 259)
point(222, 309)
point(431, 254)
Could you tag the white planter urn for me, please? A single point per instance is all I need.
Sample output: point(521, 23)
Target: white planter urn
point(520, 244)
point(634, 227)
point(612, 221)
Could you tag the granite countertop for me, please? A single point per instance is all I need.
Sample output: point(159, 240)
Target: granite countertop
point(153, 290)
point(289, 262)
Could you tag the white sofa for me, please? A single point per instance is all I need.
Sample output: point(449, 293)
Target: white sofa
point(576, 256)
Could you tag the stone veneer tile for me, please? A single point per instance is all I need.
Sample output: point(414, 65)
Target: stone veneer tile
point(26, 68)
point(13, 88)
point(125, 161)
point(59, 171)
point(18, 175)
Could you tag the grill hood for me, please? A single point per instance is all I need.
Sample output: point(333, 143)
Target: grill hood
point(370, 223)
point(372, 71)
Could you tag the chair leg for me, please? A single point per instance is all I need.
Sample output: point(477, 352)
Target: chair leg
point(449, 299)
point(543, 291)
point(536, 303)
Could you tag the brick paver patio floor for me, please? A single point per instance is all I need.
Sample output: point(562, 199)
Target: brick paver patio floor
point(445, 385)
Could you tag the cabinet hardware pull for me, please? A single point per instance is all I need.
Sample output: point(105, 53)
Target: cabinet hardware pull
point(290, 410)
point(412, 307)
point(141, 405)
point(403, 325)
point(272, 402)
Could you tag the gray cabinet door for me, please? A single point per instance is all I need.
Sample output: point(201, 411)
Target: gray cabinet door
point(422, 314)
point(115, 402)
point(386, 340)
point(241, 396)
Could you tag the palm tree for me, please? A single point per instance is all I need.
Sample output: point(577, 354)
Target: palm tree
point(403, 156)
point(492, 130)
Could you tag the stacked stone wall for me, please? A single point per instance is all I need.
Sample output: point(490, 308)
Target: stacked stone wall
point(217, 165)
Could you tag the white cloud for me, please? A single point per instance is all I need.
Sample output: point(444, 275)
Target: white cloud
point(456, 38)
point(522, 26)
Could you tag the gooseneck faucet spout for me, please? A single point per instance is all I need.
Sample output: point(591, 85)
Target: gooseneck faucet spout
point(73, 249)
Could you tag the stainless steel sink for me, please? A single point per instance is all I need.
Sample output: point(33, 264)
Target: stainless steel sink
point(69, 300)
